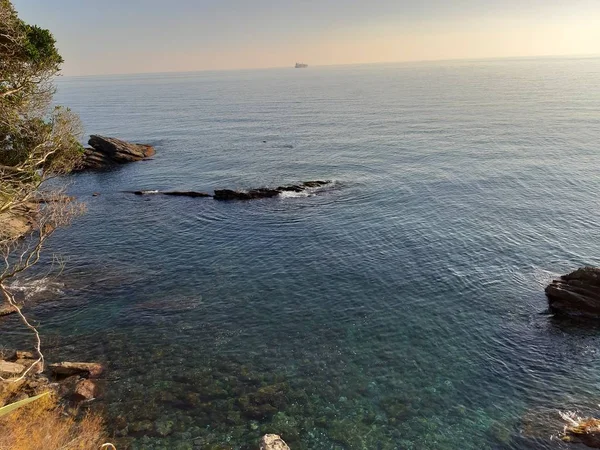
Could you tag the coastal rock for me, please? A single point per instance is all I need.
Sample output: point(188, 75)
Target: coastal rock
point(576, 294)
point(186, 194)
point(273, 442)
point(252, 194)
point(20, 354)
point(230, 194)
point(11, 368)
point(84, 390)
point(107, 152)
point(67, 369)
point(6, 309)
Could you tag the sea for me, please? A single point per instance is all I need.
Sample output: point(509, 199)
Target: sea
point(401, 306)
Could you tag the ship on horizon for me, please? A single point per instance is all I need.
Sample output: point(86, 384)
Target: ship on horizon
point(301, 66)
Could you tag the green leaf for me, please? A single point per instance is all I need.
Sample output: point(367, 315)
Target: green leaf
point(10, 408)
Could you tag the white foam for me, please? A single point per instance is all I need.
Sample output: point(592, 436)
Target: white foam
point(292, 194)
point(31, 288)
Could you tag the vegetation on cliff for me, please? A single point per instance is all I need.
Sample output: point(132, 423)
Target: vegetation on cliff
point(37, 143)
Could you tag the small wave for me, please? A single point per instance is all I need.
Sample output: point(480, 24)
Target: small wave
point(30, 289)
point(292, 194)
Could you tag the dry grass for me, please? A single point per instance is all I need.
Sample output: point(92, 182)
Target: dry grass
point(44, 424)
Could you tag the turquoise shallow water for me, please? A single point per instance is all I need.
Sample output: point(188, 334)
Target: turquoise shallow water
point(401, 308)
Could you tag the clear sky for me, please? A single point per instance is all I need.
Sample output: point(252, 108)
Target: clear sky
point(135, 36)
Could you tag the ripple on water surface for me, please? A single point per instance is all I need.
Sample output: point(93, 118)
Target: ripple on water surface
point(402, 309)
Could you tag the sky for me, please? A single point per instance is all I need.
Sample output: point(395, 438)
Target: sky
point(139, 36)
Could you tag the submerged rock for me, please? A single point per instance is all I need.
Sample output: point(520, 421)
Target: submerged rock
point(66, 369)
point(576, 294)
point(106, 152)
point(273, 442)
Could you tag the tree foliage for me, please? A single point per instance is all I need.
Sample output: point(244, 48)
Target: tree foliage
point(38, 142)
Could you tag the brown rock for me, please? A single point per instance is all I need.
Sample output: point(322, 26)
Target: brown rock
point(66, 369)
point(20, 354)
point(11, 368)
point(6, 309)
point(84, 390)
point(273, 442)
point(576, 294)
point(106, 152)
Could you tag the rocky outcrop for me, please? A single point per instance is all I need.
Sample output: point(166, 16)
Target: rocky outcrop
point(273, 442)
point(11, 368)
point(105, 152)
point(251, 194)
point(72, 382)
point(172, 193)
point(576, 294)
point(186, 194)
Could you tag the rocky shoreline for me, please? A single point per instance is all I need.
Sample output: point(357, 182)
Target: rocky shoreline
point(72, 382)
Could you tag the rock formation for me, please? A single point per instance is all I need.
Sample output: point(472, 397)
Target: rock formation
point(251, 194)
point(107, 152)
point(576, 294)
point(67, 369)
point(72, 382)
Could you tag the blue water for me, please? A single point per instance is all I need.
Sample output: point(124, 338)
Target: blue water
point(400, 308)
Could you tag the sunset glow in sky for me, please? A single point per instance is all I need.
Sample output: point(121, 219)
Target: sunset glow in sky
point(135, 36)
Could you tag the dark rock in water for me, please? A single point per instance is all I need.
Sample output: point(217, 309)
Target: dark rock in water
point(291, 188)
point(186, 194)
point(314, 184)
point(107, 152)
point(228, 194)
point(576, 294)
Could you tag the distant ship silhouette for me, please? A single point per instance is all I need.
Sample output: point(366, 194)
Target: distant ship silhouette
point(301, 66)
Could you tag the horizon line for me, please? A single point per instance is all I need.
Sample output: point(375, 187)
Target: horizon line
point(240, 69)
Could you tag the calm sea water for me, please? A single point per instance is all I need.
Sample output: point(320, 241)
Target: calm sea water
point(402, 308)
